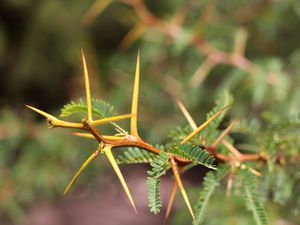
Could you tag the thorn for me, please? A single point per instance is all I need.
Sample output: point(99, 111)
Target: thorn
point(232, 149)
point(202, 72)
point(229, 185)
point(111, 119)
point(48, 116)
point(171, 201)
point(202, 126)
point(84, 135)
point(135, 32)
point(95, 10)
point(87, 87)
point(117, 170)
point(181, 188)
point(255, 172)
point(54, 122)
point(81, 169)
point(90, 136)
point(186, 114)
point(135, 99)
point(223, 135)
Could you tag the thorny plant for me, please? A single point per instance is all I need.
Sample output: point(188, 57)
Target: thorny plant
point(174, 29)
point(189, 147)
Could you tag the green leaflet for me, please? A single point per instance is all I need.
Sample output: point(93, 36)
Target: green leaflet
point(179, 133)
point(253, 202)
point(210, 182)
point(135, 155)
point(99, 108)
point(194, 154)
point(159, 165)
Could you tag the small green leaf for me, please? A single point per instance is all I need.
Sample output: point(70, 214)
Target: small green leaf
point(100, 108)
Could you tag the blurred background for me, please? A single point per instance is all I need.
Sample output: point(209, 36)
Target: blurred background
point(190, 50)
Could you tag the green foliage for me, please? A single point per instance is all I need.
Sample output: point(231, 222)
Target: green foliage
point(194, 154)
point(253, 201)
point(179, 133)
point(159, 165)
point(44, 54)
point(210, 183)
point(99, 108)
point(135, 155)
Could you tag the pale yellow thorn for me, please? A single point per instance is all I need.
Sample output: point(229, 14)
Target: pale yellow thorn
point(83, 135)
point(223, 135)
point(135, 99)
point(47, 115)
point(111, 119)
point(135, 32)
point(202, 72)
point(90, 136)
point(180, 185)
point(170, 203)
point(117, 170)
point(87, 87)
point(240, 42)
point(232, 149)
point(229, 184)
point(190, 120)
point(186, 115)
point(53, 121)
point(255, 172)
point(202, 126)
point(84, 165)
point(95, 10)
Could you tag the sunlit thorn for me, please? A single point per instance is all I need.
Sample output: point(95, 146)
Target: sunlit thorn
point(111, 119)
point(87, 87)
point(171, 202)
point(83, 135)
point(53, 121)
point(90, 136)
point(202, 126)
point(190, 120)
point(220, 139)
point(180, 186)
point(81, 169)
point(117, 170)
point(47, 115)
point(135, 99)
point(187, 115)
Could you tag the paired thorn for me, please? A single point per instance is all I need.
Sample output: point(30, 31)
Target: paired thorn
point(87, 87)
point(180, 185)
point(95, 10)
point(111, 119)
point(90, 136)
point(130, 38)
point(202, 126)
point(112, 160)
point(135, 99)
point(220, 139)
point(81, 169)
point(54, 122)
point(171, 201)
point(187, 115)
point(232, 149)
